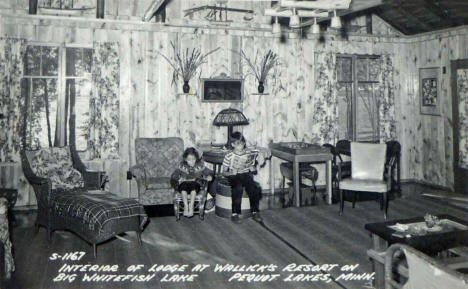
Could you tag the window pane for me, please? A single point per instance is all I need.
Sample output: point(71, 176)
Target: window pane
point(361, 69)
point(42, 113)
point(344, 110)
point(83, 93)
point(366, 114)
point(49, 60)
point(74, 62)
point(344, 67)
point(79, 62)
point(32, 60)
point(374, 69)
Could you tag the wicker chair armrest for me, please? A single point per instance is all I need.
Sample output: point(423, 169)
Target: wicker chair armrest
point(93, 179)
point(392, 252)
point(138, 171)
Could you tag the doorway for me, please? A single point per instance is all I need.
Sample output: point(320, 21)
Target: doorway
point(460, 124)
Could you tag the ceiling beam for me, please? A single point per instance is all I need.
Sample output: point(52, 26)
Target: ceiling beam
point(318, 4)
point(152, 9)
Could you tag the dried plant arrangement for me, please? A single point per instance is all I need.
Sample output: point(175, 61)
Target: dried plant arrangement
point(186, 63)
point(269, 60)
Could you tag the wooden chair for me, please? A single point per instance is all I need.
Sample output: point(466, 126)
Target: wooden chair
point(367, 173)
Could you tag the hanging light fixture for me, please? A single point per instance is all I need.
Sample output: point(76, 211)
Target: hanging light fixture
point(335, 21)
point(315, 27)
point(294, 21)
point(276, 28)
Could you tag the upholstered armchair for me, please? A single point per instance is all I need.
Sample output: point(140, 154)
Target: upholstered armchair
point(156, 159)
point(422, 271)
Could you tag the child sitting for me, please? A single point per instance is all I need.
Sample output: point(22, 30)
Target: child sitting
point(241, 176)
point(190, 176)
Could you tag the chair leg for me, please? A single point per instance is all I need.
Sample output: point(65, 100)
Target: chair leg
point(354, 199)
point(139, 237)
point(315, 192)
point(385, 201)
point(341, 202)
point(49, 234)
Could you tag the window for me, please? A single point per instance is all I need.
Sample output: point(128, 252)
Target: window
point(52, 74)
point(358, 88)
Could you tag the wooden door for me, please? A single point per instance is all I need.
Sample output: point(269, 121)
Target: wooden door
point(460, 124)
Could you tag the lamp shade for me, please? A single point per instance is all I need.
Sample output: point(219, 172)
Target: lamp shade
point(335, 21)
point(294, 21)
point(230, 117)
point(315, 27)
point(276, 27)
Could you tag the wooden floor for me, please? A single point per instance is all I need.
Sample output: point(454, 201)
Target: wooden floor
point(306, 235)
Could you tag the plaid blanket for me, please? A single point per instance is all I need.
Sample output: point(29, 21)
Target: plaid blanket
point(96, 208)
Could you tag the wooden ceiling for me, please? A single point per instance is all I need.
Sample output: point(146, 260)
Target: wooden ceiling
point(417, 16)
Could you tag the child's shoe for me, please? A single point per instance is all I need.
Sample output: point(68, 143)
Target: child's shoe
point(236, 219)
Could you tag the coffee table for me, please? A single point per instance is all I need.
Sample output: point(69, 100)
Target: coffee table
point(383, 235)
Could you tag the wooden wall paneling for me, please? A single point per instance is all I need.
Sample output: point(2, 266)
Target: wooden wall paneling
point(126, 107)
point(138, 77)
point(111, 9)
point(447, 106)
point(124, 8)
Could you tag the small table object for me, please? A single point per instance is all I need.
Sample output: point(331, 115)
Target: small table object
point(450, 232)
point(300, 152)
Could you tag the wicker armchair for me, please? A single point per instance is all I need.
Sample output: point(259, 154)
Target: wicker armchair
point(422, 271)
point(63, 186)
point(156, 159)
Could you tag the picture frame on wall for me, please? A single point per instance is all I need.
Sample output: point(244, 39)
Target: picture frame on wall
point(222, 90)
point(429, 90)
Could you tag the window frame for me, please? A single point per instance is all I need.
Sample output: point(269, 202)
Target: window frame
point(62, 113)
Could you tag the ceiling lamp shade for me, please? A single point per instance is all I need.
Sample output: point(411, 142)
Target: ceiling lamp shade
point(335, 21)
point(315, 27)
point(230, 117)
point(276, 27)
point(294, 21)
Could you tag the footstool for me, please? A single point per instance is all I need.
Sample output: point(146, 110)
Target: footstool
point(96, 216)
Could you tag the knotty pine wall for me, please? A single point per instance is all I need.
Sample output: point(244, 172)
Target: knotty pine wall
point(151, 106)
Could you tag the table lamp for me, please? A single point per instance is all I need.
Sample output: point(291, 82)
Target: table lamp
point(230, 117)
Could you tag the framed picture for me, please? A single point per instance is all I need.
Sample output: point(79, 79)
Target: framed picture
point(429, 90)
point(222, 89)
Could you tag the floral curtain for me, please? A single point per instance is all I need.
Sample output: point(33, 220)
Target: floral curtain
point(325, 110)
point(103, 123)
point(462, 88)
point(386, 102)
point(11, 99)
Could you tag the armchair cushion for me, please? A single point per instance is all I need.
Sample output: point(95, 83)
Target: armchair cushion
point(56, 164)
point(158, 183)
point(364, 185)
